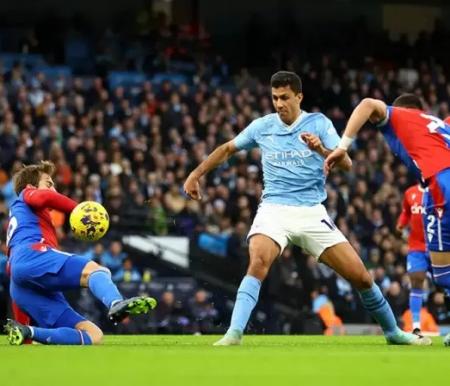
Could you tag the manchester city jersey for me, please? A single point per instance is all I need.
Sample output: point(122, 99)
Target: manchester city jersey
point(293, 174)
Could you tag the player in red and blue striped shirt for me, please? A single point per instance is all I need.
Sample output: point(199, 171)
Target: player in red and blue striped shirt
point(40, 272)
point(422, 142)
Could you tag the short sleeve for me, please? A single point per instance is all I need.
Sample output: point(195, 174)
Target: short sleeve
point(328, 135)
point(246, 139)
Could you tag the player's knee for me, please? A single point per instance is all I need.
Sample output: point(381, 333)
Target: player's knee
point(258, 267)
point(96, 335)
point(97, 268)
point(91, 268)
point(363, 281)
point(93, 331)
point(101, 268)
point(417, 282)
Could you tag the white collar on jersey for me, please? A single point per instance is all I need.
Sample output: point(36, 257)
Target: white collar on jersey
point(293, 124)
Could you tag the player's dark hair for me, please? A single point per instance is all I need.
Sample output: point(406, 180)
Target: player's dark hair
point(409, 101)
point(287, 78)
point(31, 174)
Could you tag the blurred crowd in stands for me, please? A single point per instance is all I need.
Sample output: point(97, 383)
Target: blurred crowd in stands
point(130, 146)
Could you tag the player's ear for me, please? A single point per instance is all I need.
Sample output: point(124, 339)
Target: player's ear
point(299, 97)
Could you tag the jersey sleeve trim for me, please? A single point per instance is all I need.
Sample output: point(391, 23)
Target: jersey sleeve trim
point(384, 121)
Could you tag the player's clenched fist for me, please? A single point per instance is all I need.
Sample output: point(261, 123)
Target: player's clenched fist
point(335, 157)
point(192, 187)
point(313, 142)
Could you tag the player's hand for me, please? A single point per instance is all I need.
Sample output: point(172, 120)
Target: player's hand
point(399, 228)
point(192, 187)
point(333, 158)
point(313, 142)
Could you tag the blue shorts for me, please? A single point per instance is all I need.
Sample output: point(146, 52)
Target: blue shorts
point(437, 212)
point(38, 292)
point(41, 267)
point(47, 309)
point(417, 261)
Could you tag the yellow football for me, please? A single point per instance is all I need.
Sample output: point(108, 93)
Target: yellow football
point(89, 221)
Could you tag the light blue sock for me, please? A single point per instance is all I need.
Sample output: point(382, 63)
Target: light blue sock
point(415, 304)
point(62, 335)
point(246, 299)
point(103, 288)
point(374, 302)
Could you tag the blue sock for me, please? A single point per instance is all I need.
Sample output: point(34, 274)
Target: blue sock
point(62, 335)
point(441, 274)
point(415, 305)
point(103, 288)
point(374, 302)
point(246, 299)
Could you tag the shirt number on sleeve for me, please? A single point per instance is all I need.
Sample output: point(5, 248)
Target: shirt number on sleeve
point(12, 226)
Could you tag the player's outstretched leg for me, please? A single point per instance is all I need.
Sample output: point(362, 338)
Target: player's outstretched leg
point(99, 281)
point(18, 333)
point(346, 262)
point(246, 299)
point(374, 302)
point(263, 251)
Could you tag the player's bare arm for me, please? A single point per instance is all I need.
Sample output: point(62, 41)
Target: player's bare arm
point(315, 144)
point(369, 109)
point(218, 156)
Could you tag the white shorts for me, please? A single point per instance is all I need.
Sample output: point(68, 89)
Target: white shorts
point(308, 227)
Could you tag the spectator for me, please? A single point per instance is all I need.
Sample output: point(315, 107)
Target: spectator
point(325, 309)
point(95, 253)
point(127, 273)
point(114, 257)
point(170, 315)
point(203, 313)
point(436, 306)
point(397, 298)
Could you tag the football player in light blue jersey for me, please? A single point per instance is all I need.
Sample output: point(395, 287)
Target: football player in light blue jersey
point(293, 146)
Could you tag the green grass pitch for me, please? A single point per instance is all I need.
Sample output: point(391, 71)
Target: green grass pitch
point(191, 360)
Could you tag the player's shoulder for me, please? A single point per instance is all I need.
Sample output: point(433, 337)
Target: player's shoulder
point(412, 189)
point(317, 119)
point(269, 119)
point(396, 111)
point(266, 123)
point(315, 116)
point(27, 191)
